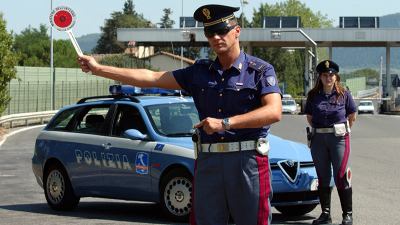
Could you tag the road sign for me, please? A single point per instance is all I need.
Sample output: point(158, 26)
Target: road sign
point(63, 19)
point(396, 81)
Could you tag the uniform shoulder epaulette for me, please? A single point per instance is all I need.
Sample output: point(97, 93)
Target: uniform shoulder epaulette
point(258, 65)
point(204, 61)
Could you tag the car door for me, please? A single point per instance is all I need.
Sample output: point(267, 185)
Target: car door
point(128, 173)
point(88, 135)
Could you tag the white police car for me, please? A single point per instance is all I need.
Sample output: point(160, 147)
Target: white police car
point(139, 148)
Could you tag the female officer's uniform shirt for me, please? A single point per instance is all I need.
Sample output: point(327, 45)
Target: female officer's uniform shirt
point(327, 111)
point(221, 94)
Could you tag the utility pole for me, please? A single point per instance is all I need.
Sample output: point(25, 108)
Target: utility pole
point(380, 81)
point(52, 74)
point(182, 46)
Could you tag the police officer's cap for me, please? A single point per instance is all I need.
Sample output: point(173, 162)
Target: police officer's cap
point(215, 17)
point(327, 66)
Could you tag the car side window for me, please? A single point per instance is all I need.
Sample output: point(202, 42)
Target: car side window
point(63, 120)
point(128, 117)
point(92, 120)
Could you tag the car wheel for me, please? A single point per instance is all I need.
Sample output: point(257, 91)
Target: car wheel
point(58, 190)
point(296, 210)
point(176, 194)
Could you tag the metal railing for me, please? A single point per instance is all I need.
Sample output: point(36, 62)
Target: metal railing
point(26, 119)
point(368, 93)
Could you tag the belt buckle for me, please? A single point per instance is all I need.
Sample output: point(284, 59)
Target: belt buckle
point(221, 147)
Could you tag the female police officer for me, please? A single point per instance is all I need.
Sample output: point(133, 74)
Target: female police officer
point(237, 97)
point(330, 111)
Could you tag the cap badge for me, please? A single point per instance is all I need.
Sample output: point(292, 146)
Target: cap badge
point(206, 13)
point(327, 64)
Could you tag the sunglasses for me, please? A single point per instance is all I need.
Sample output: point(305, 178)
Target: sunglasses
point(220, 32)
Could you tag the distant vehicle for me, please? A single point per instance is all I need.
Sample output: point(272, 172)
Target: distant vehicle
point(287, 96)
point(366, 106)
point(289, 106)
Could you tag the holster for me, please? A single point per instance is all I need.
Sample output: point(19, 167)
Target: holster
point(196, 142)
point(309, 136)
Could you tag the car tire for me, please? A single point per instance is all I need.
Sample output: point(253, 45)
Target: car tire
point(176, 194)
point(296, 210)
point(58, 189)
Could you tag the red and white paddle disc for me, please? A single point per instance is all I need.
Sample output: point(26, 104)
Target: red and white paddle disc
point(62, 18)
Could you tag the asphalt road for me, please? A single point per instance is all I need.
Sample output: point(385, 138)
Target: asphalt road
point(376, 184)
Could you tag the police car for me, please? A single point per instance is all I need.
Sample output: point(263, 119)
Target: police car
point(139, 148)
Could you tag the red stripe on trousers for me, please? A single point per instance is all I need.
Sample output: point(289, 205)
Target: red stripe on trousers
point(265, 190)
point(346, 155)
point(192, 218)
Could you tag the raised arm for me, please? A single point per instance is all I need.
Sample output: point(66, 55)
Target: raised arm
point(135, 77)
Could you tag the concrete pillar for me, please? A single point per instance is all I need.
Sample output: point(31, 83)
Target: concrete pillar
point(249, 48)
point(388, 76)
point(307, 71)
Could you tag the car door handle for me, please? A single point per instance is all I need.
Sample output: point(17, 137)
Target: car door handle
point(106, 146)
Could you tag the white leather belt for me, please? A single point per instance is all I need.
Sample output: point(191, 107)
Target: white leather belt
point(229, 146)
point(324, 130)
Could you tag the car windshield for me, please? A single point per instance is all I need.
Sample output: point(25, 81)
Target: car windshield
point(173, 119)
point(288, 102)
point(365, 103)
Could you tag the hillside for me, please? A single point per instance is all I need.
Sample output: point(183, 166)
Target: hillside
point(88, 42)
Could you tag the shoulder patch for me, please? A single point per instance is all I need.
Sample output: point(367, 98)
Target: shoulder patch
point(271, 80)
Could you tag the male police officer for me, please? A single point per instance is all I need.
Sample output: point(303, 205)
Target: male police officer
point(237, 97)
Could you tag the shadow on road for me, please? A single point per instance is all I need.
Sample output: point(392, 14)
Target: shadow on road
point(127, 211)
point(112, 211)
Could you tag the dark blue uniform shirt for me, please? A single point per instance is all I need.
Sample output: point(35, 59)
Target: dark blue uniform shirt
point(326, 111)
point(220, 94)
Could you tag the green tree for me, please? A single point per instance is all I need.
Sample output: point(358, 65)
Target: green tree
point(128, 18)
point(64, 54)
point(289, 64)
point(166, 21)
point(33, 48)
point(291, 8)
point(8, 61)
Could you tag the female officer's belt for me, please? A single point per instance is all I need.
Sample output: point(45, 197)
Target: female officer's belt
point(229, 146)
point(324, 130)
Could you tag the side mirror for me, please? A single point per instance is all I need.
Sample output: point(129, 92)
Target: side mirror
point(134, 134)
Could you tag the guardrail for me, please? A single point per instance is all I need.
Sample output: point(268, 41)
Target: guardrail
point(368, 93)
point(25, 119)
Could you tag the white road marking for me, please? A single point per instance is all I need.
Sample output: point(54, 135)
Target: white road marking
point(18, 131)
point(7, 175)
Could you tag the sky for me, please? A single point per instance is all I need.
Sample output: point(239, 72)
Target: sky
point(91, 14)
